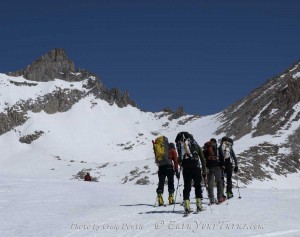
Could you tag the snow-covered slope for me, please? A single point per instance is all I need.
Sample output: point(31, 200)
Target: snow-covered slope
point(60, 128)
point(90, 133)
point(266, 127)
point(43, 207)
point(56, 125)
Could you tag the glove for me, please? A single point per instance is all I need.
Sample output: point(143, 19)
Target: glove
point(235, 169)
point(177, 174)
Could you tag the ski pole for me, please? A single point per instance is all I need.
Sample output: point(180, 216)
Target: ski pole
point(155, 202)
point(176, 191)
point(176, 195)
point(206, 187)
point(210, 208)
point(237, 183)
point(181, 201)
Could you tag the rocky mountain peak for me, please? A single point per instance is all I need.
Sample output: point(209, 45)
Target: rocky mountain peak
point(58, 54)
point(270, 113)
point(54, 64)
point(265, 110)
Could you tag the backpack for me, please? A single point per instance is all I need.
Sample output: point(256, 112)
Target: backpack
point(161, 151)
point(226, 147)
point(210, 151)
point(186, 146)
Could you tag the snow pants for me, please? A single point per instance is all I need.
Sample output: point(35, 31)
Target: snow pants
point(163, 172)
point(190, 174)
point(228, 171)
point(215, 174)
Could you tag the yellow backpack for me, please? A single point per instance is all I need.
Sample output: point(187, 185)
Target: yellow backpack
point(161, 151)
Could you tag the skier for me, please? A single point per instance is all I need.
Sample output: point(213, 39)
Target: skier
point(166, 167)
point(214, 164)
point(227, 154)
point(190, 154)
point(87, 177)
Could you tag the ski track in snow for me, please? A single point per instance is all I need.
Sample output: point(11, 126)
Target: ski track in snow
point(40, 207)
point(281, 233)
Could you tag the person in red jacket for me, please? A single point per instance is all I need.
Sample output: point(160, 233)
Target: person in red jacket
point(87, 177)
point(167, 170)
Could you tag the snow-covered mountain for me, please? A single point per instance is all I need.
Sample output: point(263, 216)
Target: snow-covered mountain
point(58, 121)
point(268, 121)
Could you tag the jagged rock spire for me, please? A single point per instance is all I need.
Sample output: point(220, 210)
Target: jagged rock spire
point(54, 64)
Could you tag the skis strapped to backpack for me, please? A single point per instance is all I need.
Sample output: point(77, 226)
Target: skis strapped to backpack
point(186, 146)
point(226, 147)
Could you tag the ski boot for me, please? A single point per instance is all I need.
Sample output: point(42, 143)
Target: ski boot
point(160, 199)
point(223, 195)
point(171, 198)
point(229, 195)
point(212, 201)
point(221, 200)
point(198, 204)
point(186, 204)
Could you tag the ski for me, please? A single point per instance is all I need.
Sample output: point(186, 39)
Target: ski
point(220, 203)
point(164, 205)
point(216, 202)
point(187, 213)
point(199, 210)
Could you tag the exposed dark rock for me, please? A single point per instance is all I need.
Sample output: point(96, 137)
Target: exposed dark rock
point(103, 166)
point(168, 110)
point(189, 119)
point(253, 160)
point(125, 179)
point(114, 95)
point(11, 118)
point(143, 181)
point(28, 139)
point(23, 83)
point(268, 110)
point(178, 113)
point(154, 133)
point(270, 105)
point(293, 159)
point(61, 100)
point(54, 64)
point(260, 162)
point(171, 114)
point(80, 175)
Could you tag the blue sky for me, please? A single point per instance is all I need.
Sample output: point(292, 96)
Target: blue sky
point(202, 55)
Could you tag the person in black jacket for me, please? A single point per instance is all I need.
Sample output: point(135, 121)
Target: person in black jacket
point(226, 152)
point(190, 154)
point(214, 163)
